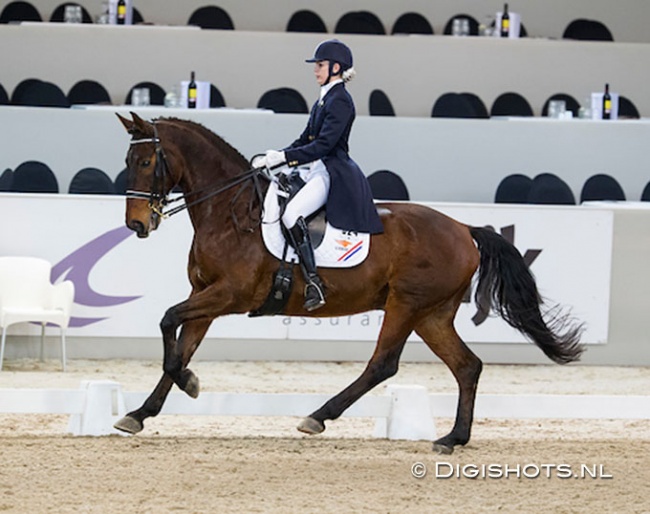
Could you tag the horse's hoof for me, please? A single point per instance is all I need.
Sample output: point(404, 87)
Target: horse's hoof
point(443, 449)
point(129, 425)
point(311, 426)
point(192, 386)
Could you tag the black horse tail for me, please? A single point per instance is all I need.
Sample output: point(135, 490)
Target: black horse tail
point(506, 284)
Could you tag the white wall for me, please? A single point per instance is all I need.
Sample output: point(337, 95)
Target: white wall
point(413, 71)
point(442, 160)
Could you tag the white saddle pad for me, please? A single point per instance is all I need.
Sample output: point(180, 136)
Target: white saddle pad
point(339, 248)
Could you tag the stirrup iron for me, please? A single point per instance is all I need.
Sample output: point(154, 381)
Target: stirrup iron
point(314, 295)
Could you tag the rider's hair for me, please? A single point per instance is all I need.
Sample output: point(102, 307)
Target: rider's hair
point(348, 74)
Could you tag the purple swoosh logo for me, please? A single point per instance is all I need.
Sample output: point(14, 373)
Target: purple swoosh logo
point(77, 267)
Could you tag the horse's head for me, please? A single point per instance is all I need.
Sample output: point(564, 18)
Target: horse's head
point(170, 152)
point(148, 180)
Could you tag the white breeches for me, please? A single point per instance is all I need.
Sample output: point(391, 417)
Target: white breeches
point(311, 197)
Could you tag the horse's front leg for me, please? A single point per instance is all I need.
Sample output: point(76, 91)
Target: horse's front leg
point(174, 365)
point(205, 306)
point(192, 334)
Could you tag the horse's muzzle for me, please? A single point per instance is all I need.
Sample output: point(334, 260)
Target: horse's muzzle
point(139, 228)
point(142, 221)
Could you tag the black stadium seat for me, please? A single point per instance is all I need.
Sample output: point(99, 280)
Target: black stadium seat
point(91, 181)
point(6, 180)
point(38, 93)
point(19, 11)
point(454, 105)
point(627, 109)
point(306, 21)
point(601, 187)
point(216, 98)
point(4, 97)
point(412, 23)
point(359, 22)
point(211, 17)
point(477, 104)
point(548, 188)
point(283, 100)
point(137, 17)
point(511, 104)
point(379, 104)
point(513, 188)
point(20, 88)
point(34, 177)
point(587, 30)
point(88, 92)
point(387, 185)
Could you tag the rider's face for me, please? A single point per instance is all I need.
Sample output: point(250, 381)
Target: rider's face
point(321, 70)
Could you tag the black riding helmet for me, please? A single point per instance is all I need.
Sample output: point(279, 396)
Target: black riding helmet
point(333, 51)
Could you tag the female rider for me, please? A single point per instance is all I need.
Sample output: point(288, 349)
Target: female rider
point(331, 177)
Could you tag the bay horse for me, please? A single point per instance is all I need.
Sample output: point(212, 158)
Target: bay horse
point(417, 272)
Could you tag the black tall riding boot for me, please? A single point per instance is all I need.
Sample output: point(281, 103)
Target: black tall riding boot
point(314, 290)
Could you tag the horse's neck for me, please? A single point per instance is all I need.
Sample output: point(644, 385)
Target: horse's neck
point(206, 172)
point(207, 202)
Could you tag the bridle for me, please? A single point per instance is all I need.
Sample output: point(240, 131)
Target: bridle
point(159, 200)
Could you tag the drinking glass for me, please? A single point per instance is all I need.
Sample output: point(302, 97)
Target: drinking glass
point(140, 97)
point(72, 14)
point(464, 27)
point(103, 18)
point(173, 96)
point(456, 27)
point(145, 96)
point(556, 108)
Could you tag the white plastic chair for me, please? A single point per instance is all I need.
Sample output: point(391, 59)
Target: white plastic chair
point(27, 295)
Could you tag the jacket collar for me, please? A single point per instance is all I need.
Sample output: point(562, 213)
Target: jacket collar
point(326, 88)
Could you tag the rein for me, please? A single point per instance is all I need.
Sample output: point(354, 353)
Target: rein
point(158, 199)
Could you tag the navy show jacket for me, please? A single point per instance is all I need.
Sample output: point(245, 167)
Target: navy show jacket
point(349, 204)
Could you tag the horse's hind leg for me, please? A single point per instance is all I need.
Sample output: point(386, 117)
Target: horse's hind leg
point(439, 335)
point(383, 364)
point(192, 334)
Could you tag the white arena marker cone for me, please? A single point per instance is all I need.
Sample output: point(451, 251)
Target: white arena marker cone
point(104, 405)
point(410, 415)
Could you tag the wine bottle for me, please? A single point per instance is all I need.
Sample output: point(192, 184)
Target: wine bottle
point(191, 93)
point(121, 12)
point(505, 22)
point(607, 104)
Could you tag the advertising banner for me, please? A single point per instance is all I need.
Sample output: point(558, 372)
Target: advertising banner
point(124, 285)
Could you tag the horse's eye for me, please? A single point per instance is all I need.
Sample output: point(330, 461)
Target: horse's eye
point(145, 163)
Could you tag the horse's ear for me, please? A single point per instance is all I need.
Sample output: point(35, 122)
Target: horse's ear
point(135, 126)
point(128, 124)
point(140, 124)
